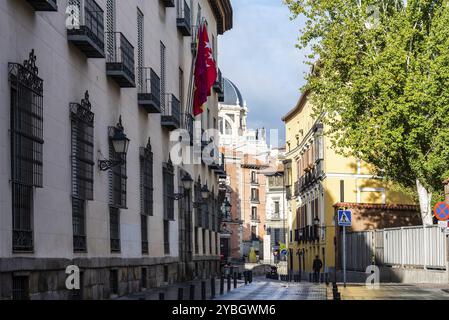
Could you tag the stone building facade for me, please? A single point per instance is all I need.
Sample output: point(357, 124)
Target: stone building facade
point(78, 76)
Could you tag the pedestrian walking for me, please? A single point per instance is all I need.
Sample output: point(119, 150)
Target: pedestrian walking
point(317, 265)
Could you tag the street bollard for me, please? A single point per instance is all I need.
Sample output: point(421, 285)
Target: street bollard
point(180, 293)
point(221, 285)
point(212, 288)
point(251, 277)
point(235, 280)
point(192, 292)
point(203, 290)
point(229, 282)
point(245, 275)
point(161, 296)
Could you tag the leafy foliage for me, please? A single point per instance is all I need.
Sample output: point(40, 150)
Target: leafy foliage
point(381, 82)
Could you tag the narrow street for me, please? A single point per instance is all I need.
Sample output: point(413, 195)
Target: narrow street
point(265, 289)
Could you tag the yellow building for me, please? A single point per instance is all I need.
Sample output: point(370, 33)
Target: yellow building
point(317, 178)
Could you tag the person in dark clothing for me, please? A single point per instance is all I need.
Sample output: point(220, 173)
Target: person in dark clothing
point(317, 265)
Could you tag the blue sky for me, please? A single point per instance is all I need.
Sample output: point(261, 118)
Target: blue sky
point(260, 57)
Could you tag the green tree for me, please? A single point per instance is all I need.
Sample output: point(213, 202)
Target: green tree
point(380, 82)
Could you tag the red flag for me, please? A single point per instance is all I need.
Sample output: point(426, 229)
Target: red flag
point(205, 71)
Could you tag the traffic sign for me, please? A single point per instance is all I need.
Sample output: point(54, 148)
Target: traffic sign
point(344, 218)
point(441, 211)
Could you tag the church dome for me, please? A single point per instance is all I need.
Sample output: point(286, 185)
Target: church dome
point(232, 95)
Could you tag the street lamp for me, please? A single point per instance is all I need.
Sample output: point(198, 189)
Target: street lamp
point(187, 182)
point(120, 144)
point(204, 192)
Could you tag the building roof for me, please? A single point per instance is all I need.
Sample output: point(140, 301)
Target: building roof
point(301, 102)
point(223, 12)
point(232, 95)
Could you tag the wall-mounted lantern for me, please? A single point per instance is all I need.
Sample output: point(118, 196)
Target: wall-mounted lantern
point(120, 144)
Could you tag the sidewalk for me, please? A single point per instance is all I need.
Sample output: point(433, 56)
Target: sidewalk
point(171, 292)
point(392, 291)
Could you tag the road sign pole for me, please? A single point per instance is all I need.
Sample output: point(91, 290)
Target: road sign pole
point(344, 256)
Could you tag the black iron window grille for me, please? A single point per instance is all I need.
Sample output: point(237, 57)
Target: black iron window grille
point(82, 149)
point(26, 147)
point(144, 232)
point(204, 241)
point(118, 178)
point(143, 278)
point(114, 229)
point(20, 288)
point(22, 224)
point(83, 163)
point(166, 237)
point(87, 27)
point(196, 240)
point(199, 204)
point(169, 190)
point(79, 225)
point(146, 179)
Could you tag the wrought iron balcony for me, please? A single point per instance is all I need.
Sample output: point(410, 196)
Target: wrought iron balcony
point(149, 90)
point(120, 60)
point(43, 5)
point(219, 83)
point(171, 113)
point(87, 31)
point(183, 19)
point(297, 187)
point(255, 219)
point(220, 171)
point(168, 3)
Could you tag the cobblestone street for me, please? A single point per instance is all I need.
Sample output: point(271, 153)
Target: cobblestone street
point(265, 289)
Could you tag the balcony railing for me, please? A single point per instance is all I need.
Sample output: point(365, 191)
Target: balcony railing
point(87, 30)
point(311, 176)
point(79, 243)
point(254, 199)
point(120, 60)
point(149, 90)
point(43, 5)
point(220, 171)
point(219, 83)
point(255, 218)
point(183, 21)
point(168, 3)
point(171, 113)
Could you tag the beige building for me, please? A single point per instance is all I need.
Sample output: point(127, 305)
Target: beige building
point(77, 89)
point(319, 181)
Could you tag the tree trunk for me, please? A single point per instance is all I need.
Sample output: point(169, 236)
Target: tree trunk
point(425, 203)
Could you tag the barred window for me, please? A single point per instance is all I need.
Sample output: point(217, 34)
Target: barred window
point(26, 147)
point(198, 201)
point(166, 237)
point(146, 179)
point(169, 191)
point(144, 233)
point(114, 229)
point(82, 149)
point(79, 225)
point(118, 179)
point(20, 288)
point(82, 120)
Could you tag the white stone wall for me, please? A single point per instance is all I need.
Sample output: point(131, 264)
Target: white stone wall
point(67, 74)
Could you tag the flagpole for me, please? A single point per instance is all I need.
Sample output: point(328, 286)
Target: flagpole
point(191, 89)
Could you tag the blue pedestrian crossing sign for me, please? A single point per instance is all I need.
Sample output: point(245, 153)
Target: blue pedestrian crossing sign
point(344, 218)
